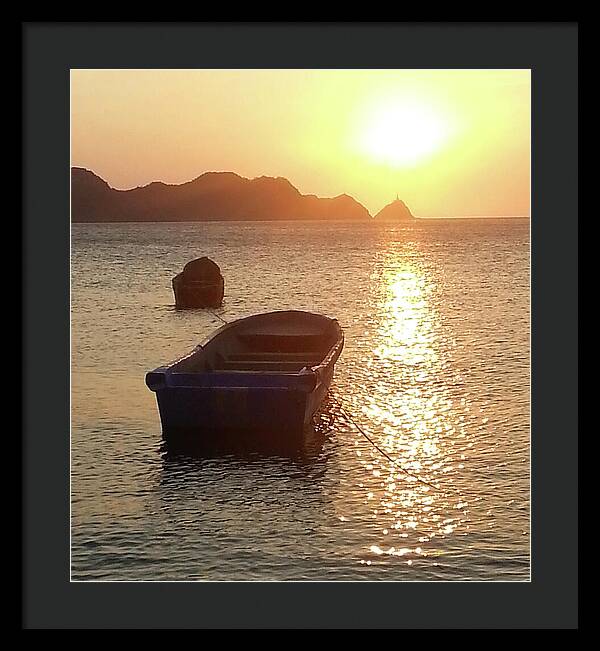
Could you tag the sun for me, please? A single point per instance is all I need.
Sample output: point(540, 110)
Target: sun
point(403, 133)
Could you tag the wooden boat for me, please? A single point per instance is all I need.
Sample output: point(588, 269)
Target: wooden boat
point(265, 374)
point(200, 284)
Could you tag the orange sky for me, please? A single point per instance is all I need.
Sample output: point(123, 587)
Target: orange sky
point(449, 142)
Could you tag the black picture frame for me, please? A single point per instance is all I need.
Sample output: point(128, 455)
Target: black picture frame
point(50, 50)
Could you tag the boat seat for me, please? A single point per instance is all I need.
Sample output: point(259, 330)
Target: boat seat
point(263, 366)
point(300, 358)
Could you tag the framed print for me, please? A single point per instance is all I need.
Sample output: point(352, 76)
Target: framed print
point(293, 312)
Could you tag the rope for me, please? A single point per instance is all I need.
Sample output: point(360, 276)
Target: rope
point(218, 317)
point(393, 461)
point(381, 451)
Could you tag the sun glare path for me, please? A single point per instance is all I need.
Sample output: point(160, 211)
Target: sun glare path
point(415, 427)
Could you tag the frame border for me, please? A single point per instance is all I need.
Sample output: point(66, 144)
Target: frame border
point(50, 50)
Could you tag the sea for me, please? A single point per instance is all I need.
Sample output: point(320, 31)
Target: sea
point(417, 468)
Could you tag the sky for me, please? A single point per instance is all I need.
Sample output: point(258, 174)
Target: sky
point(447, 142)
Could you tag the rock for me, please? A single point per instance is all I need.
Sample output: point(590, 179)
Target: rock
point(200, 284)
point(202, 269)
point(395, 212)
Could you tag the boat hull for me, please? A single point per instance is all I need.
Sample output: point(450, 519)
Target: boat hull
point(212, 412)
point(255, 379)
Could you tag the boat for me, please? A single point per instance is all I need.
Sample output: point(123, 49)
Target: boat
point(200, 284)
point(263, 375)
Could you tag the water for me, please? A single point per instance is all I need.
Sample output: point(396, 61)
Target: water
point(435, 369)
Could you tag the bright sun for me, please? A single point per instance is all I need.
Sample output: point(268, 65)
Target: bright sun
point(403, 133)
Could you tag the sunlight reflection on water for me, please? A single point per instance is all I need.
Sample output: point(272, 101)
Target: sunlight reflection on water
point(413, 415)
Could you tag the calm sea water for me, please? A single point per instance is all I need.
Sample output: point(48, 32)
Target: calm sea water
point(435, 370)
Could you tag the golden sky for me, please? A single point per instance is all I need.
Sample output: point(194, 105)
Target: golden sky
point(449, 142)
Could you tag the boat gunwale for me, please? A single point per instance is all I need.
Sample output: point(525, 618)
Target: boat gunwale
point(329, 358)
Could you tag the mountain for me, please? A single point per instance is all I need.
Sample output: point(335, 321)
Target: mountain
point(395, 212)
point(211, 196)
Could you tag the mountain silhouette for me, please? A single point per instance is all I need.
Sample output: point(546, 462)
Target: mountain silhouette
point(395, 212)
point(211, 196)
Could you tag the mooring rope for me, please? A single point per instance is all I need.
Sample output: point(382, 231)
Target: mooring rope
point(381, 451)
point(219, 317)
point(462, 494)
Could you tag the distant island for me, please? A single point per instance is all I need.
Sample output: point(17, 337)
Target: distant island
point(396, 211)
point(213, 196)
